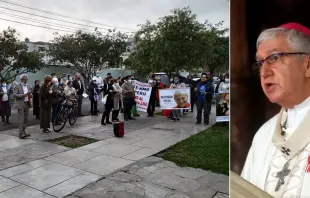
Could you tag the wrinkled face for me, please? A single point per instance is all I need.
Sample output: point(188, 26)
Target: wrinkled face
point(181, 100)
point(284, 76)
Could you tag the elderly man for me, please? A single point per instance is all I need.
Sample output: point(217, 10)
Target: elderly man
point(22, 94)
point(77, 84)
point(279, 159)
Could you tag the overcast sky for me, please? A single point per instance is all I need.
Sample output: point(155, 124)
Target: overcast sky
point(126, 14)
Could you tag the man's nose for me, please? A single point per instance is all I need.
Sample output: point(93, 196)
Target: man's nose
point(265, 70)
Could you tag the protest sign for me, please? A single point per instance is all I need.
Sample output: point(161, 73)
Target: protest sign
point(222, 107)
point(175, 98)
point(143, 93)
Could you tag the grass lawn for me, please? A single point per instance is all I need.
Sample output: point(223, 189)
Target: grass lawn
point(208, 150)
point(73, 141)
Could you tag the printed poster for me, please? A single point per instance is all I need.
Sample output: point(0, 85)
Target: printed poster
point(143, 94)
point(175, 98)
point(222, 107)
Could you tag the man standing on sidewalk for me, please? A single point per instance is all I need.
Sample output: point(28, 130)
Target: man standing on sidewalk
point(79, 87)
point(22, 94)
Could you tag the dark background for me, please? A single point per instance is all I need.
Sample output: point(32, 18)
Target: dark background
point(249, 106)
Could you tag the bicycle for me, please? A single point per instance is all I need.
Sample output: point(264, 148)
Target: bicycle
point(66, 112)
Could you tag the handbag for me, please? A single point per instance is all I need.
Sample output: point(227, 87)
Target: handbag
point(104, 99)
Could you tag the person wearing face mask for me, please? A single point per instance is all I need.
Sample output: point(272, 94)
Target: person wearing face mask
point(46, 104)
point(5, 105)
point(224, 86)
point(128, 94)
point(36, 99)
point(108, 91)
point(117, 100)
point(99, 82)
point(94, 92)
point(69, 91)
point(22, 95)
point(133, 111)
point(78, 85)
point(56, 97)
point(192, 85)
point(159, 85)
point(152, 101)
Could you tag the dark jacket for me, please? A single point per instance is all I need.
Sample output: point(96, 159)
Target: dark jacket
point(209, 90)
point(93, 89)
point(45, 107)
point(56, 94)
point(45, 97)
point(109, 91)
point(77, 87)
point(36, 100)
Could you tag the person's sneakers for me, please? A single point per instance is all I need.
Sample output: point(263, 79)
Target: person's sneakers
point(131, 118)
point(206, 123)
point(178, 119)
point(173, 119)
point(108, 122)
point(46, 131)
point(24, 136)
point(102, 123)
point(137, 115)
point(198, 122)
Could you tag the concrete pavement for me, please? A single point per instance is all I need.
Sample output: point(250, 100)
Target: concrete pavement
point(34, 168)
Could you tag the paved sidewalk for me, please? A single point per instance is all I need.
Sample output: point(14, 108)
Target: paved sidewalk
point(155, 177)
point(34, 168)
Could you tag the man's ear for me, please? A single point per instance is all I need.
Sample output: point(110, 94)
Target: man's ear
point(307, 66)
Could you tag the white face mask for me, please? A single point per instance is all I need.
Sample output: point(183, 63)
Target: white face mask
point(117, 84)
point(226, 79)
point(130, 81)
point(151, 81)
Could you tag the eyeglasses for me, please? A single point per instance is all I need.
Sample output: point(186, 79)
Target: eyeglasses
point(257, 67)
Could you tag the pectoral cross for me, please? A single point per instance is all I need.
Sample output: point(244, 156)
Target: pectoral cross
point(282, 174)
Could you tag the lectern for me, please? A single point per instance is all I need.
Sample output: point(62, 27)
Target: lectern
point(240, 188)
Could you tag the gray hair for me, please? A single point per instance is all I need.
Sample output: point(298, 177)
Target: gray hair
point(179, 92)
point(23, 76)
point(297, 40)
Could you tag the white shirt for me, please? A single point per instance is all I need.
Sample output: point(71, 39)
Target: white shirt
point(266, 156)
point(5, 96)
point(25, 88)
point(223, 87)
point(99, 80)
point(295, 116)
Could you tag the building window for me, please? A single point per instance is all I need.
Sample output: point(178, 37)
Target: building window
point(41, 49)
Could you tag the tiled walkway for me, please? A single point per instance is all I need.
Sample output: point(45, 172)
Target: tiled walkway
point(34, 168)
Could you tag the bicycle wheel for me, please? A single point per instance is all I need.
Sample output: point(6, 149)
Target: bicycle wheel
point(73, 116)
point(61, 120)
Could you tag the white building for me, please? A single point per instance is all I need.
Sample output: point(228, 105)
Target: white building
point(38, 46)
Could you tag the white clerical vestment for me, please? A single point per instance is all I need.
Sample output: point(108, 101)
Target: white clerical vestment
point(280, 163)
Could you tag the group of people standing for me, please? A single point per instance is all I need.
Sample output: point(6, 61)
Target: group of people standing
point(43, 98)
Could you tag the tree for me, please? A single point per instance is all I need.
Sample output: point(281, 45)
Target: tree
point(176, 42)
point(88, 53)
point(14, 57)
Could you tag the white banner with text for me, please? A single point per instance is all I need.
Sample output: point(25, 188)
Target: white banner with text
point(175, 98)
